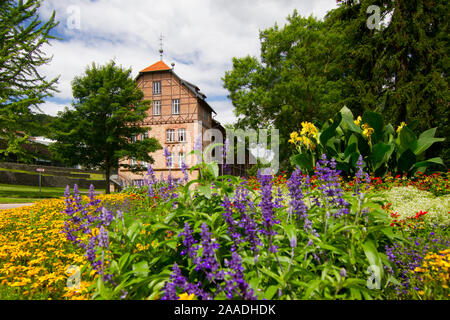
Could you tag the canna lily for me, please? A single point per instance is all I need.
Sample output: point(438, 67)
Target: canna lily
point(400, 127)
point(367, 130)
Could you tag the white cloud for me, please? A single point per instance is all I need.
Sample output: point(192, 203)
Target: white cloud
point(201, 36)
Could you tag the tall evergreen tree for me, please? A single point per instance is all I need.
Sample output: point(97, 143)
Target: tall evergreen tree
point(400, 69)
point(22, 87)
point(108, 111)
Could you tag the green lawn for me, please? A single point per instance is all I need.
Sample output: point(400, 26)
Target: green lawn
point(27, 194)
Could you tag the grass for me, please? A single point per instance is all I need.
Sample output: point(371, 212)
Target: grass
point(27, 194)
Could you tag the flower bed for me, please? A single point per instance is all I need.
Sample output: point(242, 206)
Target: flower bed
point(223, 237)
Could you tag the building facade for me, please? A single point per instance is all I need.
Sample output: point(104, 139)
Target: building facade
point(178, 117)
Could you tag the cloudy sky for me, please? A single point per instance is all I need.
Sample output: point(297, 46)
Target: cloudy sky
point(200, 36)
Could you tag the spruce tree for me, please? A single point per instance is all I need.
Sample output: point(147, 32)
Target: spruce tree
point(22, 87)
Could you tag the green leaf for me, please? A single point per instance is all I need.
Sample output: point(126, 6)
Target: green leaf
point(406, 160)
point(429, 162)
point(330, 132)
point(270, 292)
point(372, 255)
point(205, 190)
point(291, 231)
point(213, 168)
point(141, 269)
point(303, 160)
point(424, 143)
point(407, 139)
point(134, 230)
point(428, 134)
point(375, 121)
point(381, 153)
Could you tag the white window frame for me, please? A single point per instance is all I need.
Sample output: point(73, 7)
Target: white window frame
point(170, 135)
point(133, 162)
point(157, 107)
point(176, 106)
point(134, 138)
point(182, 135)
point(181, 156)
point(145, 135)
point(156, 87)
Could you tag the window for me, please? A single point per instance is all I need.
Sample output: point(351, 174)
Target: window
point(156, 87)
point(134, 138)
point(145, 135)
point(133, 162)
point(170, 135)
point(144, 164)
point(181, 135)
point(176, 106)
point(156, 108)
point(180, 159)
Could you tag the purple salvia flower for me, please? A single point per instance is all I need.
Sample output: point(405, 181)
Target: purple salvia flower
point(237, 285)
point(184, 169)
point(267, 208)
point(188, 242)
point(297, 205)
point(231, 223)
point(246, 208)
point(207, 260)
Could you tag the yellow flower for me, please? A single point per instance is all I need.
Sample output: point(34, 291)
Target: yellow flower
point(294, 137)
point(358, 120)
point(400, 127)
point(309, 129)
point(185, 296)
point(367, 130)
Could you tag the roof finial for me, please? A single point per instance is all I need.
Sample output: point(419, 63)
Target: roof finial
point(161, 50)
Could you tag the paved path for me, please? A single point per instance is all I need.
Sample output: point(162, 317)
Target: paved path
point(14, 205)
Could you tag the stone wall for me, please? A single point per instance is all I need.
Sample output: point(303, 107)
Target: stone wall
point(17, 178)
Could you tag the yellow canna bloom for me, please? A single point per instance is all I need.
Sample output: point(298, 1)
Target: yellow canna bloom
point(309, 129)
point(367, 130)
point(185, 296)
point(400, 127)
point(294, 137)
point(358, 120)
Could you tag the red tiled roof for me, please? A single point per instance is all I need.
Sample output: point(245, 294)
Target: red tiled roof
point(158, 66)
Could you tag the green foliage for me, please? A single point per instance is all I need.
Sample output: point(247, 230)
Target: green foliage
point(295, 79)
point(22, 87)
point(146, 243)
point(310, 68)
point(108, 111)
point(399, 70)
point(383, 149)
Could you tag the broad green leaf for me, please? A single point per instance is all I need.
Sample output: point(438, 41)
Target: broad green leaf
point(406, 160)
point(141, 269)
point(407, 139)
point(205, 190)
point(270, 292)
point(372, 255)
point(381, 153)
point(424, 143)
